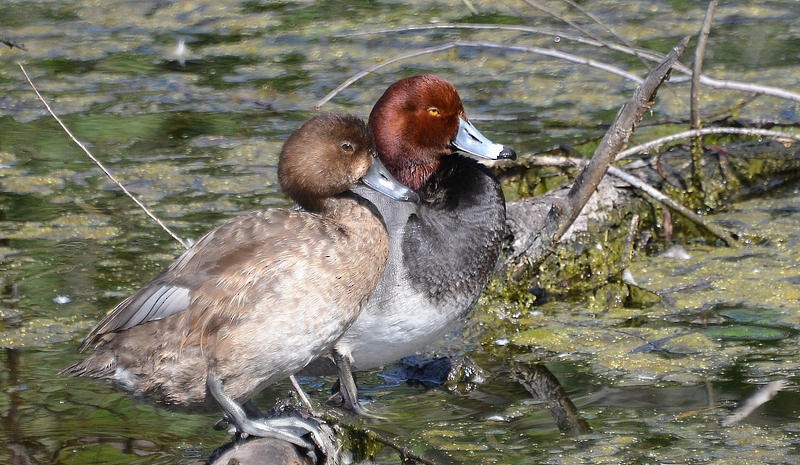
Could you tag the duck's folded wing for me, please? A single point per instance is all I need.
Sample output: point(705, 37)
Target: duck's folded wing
point(171, 291)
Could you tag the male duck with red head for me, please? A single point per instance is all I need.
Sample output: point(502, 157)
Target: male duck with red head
point(260, 296)
point(443, 249)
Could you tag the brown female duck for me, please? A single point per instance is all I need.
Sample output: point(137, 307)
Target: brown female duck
point(260, 296)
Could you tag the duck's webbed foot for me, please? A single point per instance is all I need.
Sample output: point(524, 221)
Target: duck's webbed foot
point(348, 389)
point(312, 435)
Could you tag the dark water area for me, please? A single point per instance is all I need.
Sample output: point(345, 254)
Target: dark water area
point(188, 104)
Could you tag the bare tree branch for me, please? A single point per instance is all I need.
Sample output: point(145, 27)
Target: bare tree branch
point(561, 217)
point(462, 43)
point(761, 396)
point(646, 54)
point(656, 143)
point(694, 97)
point(667, 201)
point(380, 65)
point(643, 186)
point(697, 69)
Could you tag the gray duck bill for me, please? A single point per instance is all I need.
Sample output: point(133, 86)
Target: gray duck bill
point(379, 179)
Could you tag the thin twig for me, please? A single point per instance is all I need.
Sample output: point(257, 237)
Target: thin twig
point(646, 54)
point(694, 96)
point(627, 254)
point(557, 54)
point(643, 186)
point(97, 162)
point(380, 65)
point(697, 68)
point(567, 21)
point(608, 29)
point(655, 143)
point(665, 200)
point(470, 7)
point(461, 43)
point(761, 396)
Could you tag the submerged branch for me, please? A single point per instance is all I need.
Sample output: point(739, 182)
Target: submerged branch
point(12, 44)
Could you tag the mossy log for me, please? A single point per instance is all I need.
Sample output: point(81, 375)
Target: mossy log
point(597, 245)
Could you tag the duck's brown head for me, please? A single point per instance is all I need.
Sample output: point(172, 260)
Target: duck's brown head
point(327, 155)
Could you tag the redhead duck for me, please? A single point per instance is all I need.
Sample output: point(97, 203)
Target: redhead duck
point(442, 250)
point(260, 296)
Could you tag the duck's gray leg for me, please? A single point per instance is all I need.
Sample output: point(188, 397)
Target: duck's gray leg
point(290, 429)
point(348, 388)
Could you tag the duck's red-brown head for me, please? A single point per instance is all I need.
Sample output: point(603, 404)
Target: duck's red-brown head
point(420, 119)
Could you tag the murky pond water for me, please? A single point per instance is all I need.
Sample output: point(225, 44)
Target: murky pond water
point(195, 136)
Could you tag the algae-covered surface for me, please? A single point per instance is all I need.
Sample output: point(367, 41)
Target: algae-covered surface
point(187, 103)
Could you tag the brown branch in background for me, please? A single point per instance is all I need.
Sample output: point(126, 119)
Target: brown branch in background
point(656, 143)
point(694, 98)
point(560, 218)
point(616, 136)
point(99, 164)
point(643, 53)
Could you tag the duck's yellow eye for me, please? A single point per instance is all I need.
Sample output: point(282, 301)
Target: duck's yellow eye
point(433, 111)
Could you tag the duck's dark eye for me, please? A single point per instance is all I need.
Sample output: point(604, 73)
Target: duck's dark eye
point(433, 111)
point(346, 146)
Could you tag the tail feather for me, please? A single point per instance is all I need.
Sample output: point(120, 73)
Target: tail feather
point(101, 365)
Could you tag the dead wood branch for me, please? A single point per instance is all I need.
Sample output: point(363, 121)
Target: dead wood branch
point(761, 396)
point(463, 43)
point(636, 51)
point(658, 143)
point(560, 217)
point(667, 201)
point(694, 96)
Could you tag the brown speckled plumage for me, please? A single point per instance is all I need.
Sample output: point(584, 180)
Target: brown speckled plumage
point(260, 296)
